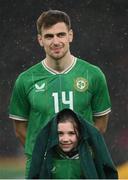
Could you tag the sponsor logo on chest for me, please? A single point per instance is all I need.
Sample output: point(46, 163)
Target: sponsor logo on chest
point(41, 87)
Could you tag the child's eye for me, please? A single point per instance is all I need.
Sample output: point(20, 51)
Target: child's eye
point(60, 133)
point(72, 133)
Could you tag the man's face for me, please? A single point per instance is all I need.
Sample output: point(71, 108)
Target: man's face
point(68, 136)
point(55, 40)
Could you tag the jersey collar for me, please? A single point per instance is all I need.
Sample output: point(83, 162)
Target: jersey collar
point(52, 71)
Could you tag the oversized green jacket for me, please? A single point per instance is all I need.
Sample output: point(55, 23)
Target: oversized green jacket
point(99, 167)
point(66, 166)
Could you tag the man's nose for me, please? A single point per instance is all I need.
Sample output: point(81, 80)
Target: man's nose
point(55, 40)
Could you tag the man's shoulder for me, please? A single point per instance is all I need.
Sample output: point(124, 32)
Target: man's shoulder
point(89, 66)
point(31, 70)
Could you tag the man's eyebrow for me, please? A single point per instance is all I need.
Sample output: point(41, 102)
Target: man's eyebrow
point(52, 35)
point(48, 35)
point(61, 33)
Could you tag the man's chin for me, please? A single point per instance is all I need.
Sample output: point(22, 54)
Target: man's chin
point(58, 56)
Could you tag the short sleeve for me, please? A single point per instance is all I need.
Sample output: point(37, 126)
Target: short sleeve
point(101, 104)
point(19, 104)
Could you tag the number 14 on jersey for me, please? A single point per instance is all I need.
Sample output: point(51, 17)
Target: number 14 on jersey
point(63, 100)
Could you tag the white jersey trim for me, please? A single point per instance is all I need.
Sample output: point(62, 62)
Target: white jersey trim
point(72, 65)
point(17, 118)
point(52, 71)
point(103, 112)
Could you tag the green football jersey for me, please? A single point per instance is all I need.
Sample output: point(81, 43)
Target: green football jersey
point(39, 93)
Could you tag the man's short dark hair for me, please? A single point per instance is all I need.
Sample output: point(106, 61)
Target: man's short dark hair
point(50, 18)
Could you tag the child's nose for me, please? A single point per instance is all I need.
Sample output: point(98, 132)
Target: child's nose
point(65, 137)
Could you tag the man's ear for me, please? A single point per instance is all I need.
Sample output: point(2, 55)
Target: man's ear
point(39, 38)
point(70, 35)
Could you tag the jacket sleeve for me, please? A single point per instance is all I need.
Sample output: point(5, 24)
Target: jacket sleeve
point(108, 165)
point(38, 155)
point(103, 160)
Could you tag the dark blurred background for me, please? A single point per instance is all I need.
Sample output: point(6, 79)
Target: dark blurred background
point(100, 36)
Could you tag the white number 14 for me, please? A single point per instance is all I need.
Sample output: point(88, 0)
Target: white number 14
point(64, 100)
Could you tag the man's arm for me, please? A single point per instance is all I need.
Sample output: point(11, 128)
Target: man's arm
point(20, 130)
point(101, 123)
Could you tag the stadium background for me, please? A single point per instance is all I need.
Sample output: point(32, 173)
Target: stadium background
point(100, 35)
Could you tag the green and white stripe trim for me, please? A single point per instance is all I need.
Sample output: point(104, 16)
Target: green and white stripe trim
point(15, 117)
point(102, 113)
point(52, 71)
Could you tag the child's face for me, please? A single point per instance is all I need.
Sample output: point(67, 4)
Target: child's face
point(68, 136)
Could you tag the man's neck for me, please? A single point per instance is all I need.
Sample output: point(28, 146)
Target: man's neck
point(59, 65)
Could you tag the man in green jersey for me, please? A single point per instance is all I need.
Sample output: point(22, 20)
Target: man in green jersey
point(59, 81)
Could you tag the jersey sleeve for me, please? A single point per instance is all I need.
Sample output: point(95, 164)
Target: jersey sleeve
point(101, 104)
point(19, 105)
